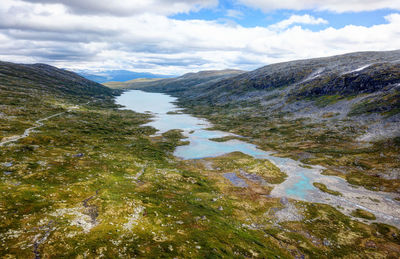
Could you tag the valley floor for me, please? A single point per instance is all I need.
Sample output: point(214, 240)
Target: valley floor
point(95, 183)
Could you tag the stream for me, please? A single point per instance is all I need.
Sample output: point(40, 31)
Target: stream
point(299, 183)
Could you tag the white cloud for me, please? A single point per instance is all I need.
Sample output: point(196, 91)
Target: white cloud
point(234, 13)
point(155, 43)
point(130, 7)
point(298, 19)
point(331, 5)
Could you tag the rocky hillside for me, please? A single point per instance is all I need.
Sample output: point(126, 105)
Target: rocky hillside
point(344, 75)
point(342, 112)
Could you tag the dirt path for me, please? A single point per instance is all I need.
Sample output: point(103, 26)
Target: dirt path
point(28, 131)
point(38, 124)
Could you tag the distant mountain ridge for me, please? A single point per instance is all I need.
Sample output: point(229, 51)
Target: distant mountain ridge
point(188, 81)
point(138, 82)
point(117, 75)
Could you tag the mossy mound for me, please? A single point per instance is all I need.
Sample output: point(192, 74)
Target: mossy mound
point(323, 188)
point(360, 213)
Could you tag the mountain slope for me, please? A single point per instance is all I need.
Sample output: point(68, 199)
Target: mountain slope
point(50, 79)
point(32, 92)
point(342, 112)
point(353, 73)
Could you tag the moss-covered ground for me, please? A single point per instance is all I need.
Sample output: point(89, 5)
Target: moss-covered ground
point(95, 183)
point(360, 213)
point(323, 188)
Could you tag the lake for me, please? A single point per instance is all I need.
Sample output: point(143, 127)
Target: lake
point(299, 183)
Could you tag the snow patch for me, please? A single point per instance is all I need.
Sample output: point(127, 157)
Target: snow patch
point(313, 75)
point(357, 70)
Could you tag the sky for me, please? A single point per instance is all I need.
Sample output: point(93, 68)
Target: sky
point(178, 36)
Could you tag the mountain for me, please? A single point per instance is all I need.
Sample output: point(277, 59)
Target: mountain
point(47, 79)
point(32, 92)
point(117, 75)
point(350, 74)
point(342, 112)
point(186, 82)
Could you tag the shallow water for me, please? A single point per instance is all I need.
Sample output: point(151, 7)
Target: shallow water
point(235, 180)
point(298, 184)
point(300, 187)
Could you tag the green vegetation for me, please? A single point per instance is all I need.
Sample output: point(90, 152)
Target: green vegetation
point(174, 112)
point(360, 213)
point(227, 138)
point(239, 161)
point(388, 105)
point(323, 188)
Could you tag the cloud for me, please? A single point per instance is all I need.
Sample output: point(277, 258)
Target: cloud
point(234, 13)
point(148, 42)
point(130, 7)
point(298, 19)
point(330, 5)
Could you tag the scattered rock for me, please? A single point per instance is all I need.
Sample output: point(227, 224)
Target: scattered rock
point(289, 213)
point(326, 242)
point(284, 201)
point(7, 164)
point(78, 155)
point(38, 241)
point(78, 218)
point(370, 244)
point(134, 218)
